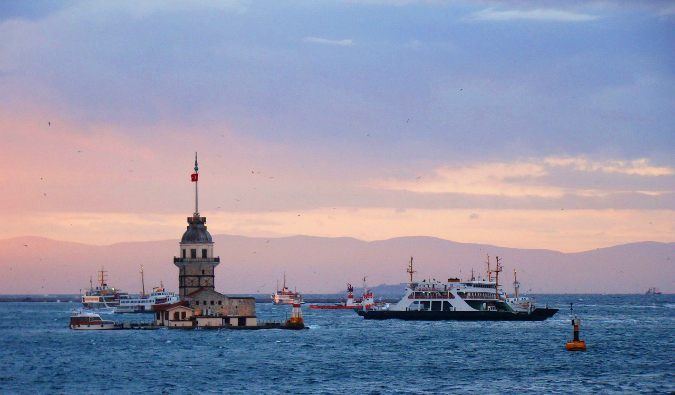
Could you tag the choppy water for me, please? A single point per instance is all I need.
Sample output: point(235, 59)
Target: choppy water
point(630, 342)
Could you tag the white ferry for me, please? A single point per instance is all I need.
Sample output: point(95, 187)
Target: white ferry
point(90, 321)
point(102, 296)
point(478, 300)
point(147, 303)
point(286, 296)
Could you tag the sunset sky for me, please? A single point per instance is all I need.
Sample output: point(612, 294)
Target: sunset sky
point(520, 124)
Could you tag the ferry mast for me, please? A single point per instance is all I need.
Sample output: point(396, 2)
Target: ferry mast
point(489, 272)
point(410, 269)
point(142, 282)
point(497, 270)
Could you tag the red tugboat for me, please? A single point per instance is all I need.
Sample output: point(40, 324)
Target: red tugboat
point(367, 301)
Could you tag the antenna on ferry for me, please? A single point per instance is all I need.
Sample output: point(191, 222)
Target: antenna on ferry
point(91, 283)
point(489, 273)
point(516, 284)
point(472, 276)
point(410, 269)
point(142, 281)
point(497, 270)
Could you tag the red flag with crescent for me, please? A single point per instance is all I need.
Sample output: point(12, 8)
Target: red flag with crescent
point(195, 176)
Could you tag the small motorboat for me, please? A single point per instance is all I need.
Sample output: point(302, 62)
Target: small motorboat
point(90, 321)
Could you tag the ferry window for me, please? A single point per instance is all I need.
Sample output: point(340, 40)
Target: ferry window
point(193, 253)
point(436, 305)
point(204, 253)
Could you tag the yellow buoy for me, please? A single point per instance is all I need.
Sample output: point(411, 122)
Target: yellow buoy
point(576, 344)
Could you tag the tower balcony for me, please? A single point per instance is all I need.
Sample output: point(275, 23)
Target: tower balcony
point(177, 260)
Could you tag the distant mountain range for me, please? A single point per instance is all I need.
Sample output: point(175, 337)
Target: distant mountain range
point(34, 265)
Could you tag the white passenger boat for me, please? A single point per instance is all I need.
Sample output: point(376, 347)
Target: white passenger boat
point(90, 321)
point(477, 300)
point(147, 304)
point(286, 296)
point(102, 296)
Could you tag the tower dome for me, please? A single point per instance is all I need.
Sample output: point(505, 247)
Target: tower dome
point(196, 231)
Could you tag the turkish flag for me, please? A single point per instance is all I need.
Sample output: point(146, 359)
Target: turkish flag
point(194, 177)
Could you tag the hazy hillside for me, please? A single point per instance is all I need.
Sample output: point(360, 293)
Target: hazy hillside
point(326, 265)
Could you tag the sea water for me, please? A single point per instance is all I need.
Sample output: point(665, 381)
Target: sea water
point(630, 339)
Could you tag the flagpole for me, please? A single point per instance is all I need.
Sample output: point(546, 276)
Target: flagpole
point(196, 187)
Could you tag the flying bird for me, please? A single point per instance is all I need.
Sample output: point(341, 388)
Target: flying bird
point(49, 123)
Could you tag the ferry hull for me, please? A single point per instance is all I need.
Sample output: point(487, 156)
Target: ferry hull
point(537, 314)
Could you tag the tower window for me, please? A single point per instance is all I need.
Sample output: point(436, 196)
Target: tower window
point(204, 253)
point(203, 272)
point(183, 252)
point(193, 253)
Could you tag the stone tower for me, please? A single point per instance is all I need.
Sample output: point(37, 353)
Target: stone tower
point(196, 262)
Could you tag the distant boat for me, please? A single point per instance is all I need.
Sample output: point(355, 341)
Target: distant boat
point(653, 291)
point(367, 301)
point(285, 296)
point(102, 297)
